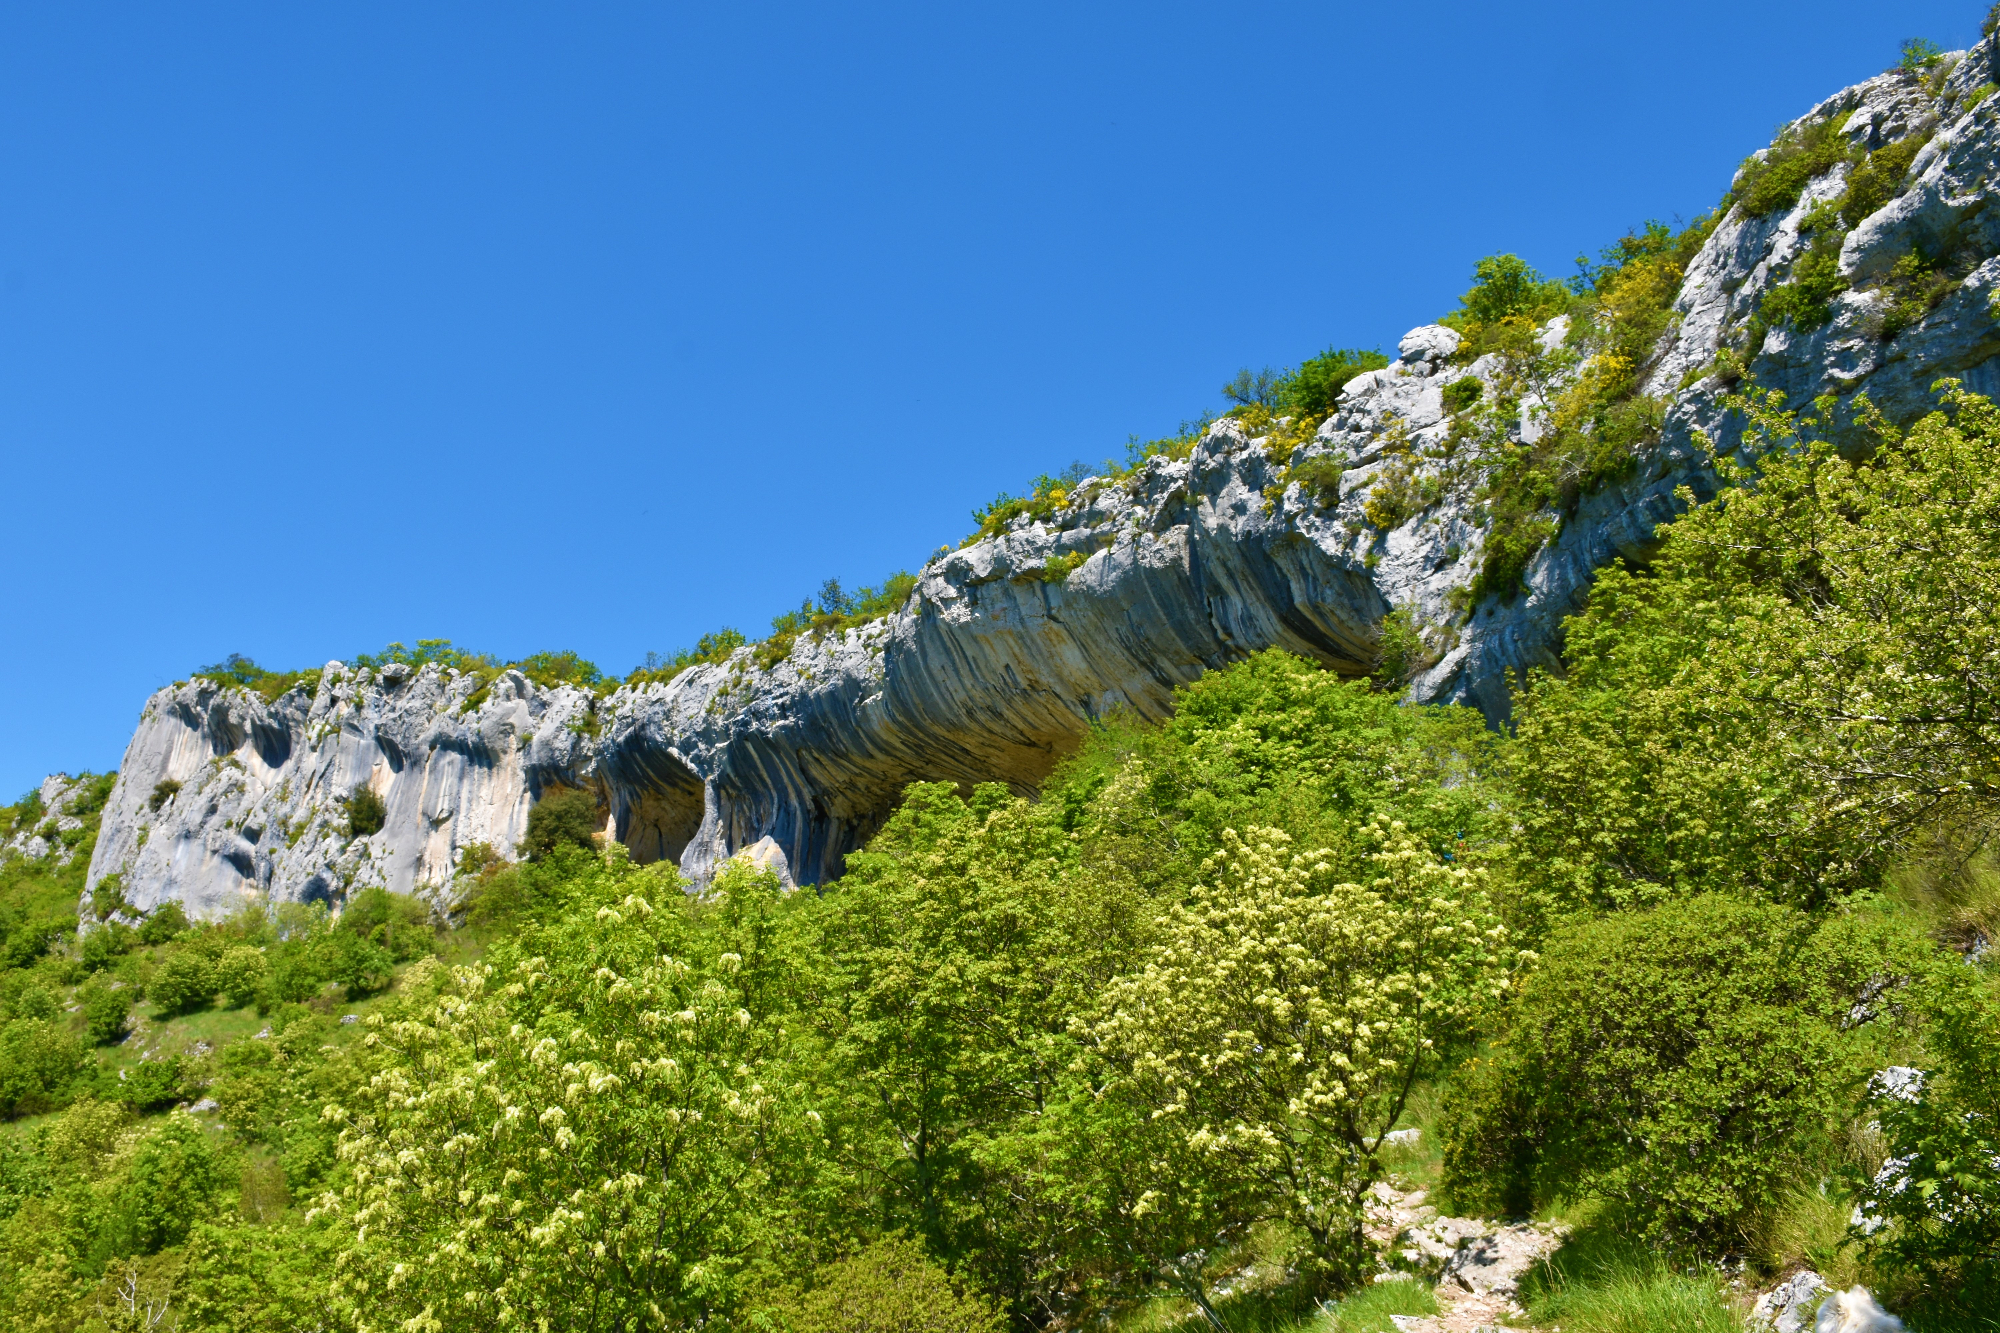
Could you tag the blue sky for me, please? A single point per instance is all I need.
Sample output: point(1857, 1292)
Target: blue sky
point(601, 326)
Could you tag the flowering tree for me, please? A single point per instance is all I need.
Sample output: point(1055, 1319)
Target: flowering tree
point(1277, 1029)
point(594, 1142)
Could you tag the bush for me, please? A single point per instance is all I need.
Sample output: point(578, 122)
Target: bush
point(1253, 388)
point(184, 980)
point(1314, 388)
point(105, 1011)
point(39, 1062)
point(365, 813)
point(1804, 301)
point(165, 922)
point(105, 945)
point(1774, 182)
point(394, 922)
point(240, 672)
point(890, 1287)
point(174, 1176)
point(549, 670)
point(163, 792)
point(1462, 393)
point(1684, 1062)
point(240, 974)
point(153, 1085)
point(563, 818)
point(711, 649)
point(1941, 1194)
point(1879, 179)
point(1920, 55)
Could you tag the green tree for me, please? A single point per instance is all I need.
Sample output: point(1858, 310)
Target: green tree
point(240, 974)
point(1281, 1021)
point(1799, 688)
point(563, 818)
point(171, 1183)
point(956, 951)
point(39, 1061)
point(365, 813)
point(591, 1130)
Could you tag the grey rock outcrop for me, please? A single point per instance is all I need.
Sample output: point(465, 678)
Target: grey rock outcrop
point(58, 792)
point(1011, 646)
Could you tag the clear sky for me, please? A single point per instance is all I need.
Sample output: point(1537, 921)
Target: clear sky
point(600, 326)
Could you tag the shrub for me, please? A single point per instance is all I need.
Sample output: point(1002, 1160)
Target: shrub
point(1804, 301)
point(174, 1176)
point(104, 945)
point(39, 1061)
point(105, 1011)
point(1314, 388)
point(1941, 1193)
point(1920, 56)
point(1254, 388)
point(1463, 392)
point(549, 670)
point(427, 652)
point(1402, 648)
point(712, 649)
point(1506, 287)
point(1319, 477)
point(365, 813)
point(184, 980)
point(163, 791)
point(240, 672)
point(1684, 1062)
point(163, 924)
point(890, 1287)
point(1775, 181)
point(564, 818)
point(1880, 178)
point(567, 817)
point(394, 922)
point(240, 974)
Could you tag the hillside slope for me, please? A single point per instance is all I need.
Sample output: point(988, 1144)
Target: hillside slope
point(1857, 255)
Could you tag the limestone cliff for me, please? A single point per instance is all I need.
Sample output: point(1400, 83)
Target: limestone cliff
point(1000, 659)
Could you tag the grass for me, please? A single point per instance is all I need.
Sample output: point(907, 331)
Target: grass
point(1602, 1281)
point(1949, 892)
point(1368, 1310)
point(1283, 1310)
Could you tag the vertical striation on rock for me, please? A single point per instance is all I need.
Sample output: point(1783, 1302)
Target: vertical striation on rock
point(1012, 646)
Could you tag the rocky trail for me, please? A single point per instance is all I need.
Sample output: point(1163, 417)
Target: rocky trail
point(1477, 1264)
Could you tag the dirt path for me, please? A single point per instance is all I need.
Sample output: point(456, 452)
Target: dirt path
point(1478, 1265)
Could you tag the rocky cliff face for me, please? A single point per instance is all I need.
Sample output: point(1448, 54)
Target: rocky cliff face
point(1011, 646)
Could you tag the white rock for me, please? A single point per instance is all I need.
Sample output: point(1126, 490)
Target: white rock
point(1855, 1311)
point(1429, 342)
point(1788, 1307)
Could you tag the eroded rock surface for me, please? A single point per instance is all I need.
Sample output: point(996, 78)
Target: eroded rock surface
point(1000, 660)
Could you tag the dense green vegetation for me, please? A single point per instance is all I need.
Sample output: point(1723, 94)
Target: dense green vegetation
point(1130, 1051)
